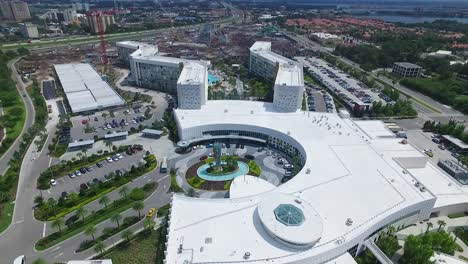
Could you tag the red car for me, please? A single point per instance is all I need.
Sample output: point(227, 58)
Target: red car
point(84, 121)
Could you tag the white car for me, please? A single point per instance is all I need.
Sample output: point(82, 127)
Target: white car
point(104, 127)
point(428, 150)
point(53, 182)
point(119, 156)
point(109, 159)
point(133, 121)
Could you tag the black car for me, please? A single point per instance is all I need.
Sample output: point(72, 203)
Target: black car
point(83, 186)
point(83, 170)
point(99, 165)
point(242, 146)
point(118, 172)
point(96, 180)
point(64, 195)
point(89, 169)
point(107, 176)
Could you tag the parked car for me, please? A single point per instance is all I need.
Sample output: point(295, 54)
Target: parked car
point(204, 157)
point(89, 169)
point(71, 175)
point(83, 170)
point(83, 186)
point(119, 156)
point(115, 158)
point(442, 147)
point(64, 195)
point(96, 180)
point(99, 165)
point(77, 173)
point(107, 176)
point(53, 182)
point(109, 159)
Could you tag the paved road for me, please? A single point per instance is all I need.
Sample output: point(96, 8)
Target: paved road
point(29, 120)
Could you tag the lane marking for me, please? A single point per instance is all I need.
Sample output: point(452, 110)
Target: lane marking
point(55, 249)
point(44, 230)
point(163, 178)
point(58, 255)
point(20, 221)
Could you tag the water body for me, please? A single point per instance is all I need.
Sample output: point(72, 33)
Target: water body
point(202, 173)
point(412, 19)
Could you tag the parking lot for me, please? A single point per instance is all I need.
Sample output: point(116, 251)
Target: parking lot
point(120, 122)
point(423, 141)
point(48, 89)
point(69, 184)
point(319, 100)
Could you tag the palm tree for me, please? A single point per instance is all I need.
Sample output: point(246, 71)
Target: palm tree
point(104, 115)
point(126, 234)
point(99, 247)
point(84, 152)
point(116, 219)
point(441, 224)
point(429, 226)
point(91, 231)
point(126, 112)
point(192, 193)
point(123, 191)
point(104, 200)
point(81, 212)
point(109, 145)
point(138, 206)
point(58, 223)
point(149, 223)
point(80, 155)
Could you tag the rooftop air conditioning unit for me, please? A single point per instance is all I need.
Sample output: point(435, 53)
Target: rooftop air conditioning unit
point(247, 255)
point(349, 221)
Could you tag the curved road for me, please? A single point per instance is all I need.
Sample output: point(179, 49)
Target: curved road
point(29, 119)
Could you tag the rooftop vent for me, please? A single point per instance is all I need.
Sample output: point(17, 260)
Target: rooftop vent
point(308, 171)
point(247, 255)
point(298, 201)
point(225, 110)
point(349, 221)
point(251, 112)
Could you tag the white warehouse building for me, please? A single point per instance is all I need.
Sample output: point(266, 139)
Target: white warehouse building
point(287, 75)
point(356, 179)
point(84, 88)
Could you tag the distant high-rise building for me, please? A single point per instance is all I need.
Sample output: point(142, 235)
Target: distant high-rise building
point(107, 20)
point(14, 10)
point(80, 6)
point(29, 30)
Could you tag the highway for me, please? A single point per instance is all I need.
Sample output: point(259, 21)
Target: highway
point(29, 118)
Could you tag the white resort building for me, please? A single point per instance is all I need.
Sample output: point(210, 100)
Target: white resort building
point(287, 75)
point(187, 78)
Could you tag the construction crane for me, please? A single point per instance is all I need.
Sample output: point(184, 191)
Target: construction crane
point(100, 25)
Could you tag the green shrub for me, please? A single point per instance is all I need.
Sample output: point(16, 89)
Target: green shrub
point(137, 194)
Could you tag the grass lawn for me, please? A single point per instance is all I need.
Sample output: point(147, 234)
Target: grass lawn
point(6, 216)
point(142, 249)
point(15, 116)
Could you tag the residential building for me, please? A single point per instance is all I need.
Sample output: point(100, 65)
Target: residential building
point(406, 69)
point(106, 21)
point(15, 10)
point(286, 74)
point(29, 31)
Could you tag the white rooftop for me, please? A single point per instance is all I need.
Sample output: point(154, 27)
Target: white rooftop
point(85, 89)
point(352, 175)
point(193, 73)
point(290, 74)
